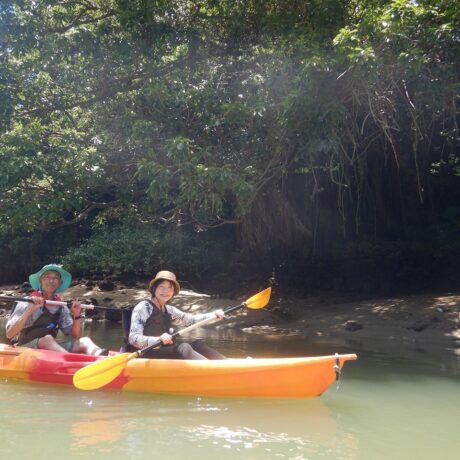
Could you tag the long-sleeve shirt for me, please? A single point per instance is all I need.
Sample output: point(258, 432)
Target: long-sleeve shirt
point(142, 312)
point(65, 320)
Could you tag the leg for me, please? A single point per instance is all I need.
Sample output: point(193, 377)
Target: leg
point(86, 346)
point(49, 343)
point(186, 351)
point(206, 350)
point(175, 351)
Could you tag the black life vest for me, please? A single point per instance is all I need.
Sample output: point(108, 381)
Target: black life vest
point(158, 322)
point(46, 323)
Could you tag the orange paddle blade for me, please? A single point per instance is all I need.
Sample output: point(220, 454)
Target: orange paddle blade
point(259, 300)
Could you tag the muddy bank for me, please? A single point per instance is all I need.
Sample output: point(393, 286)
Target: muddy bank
point(423, 320)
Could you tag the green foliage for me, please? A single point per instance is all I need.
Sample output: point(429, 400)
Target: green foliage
point(141, 249)
point(24, 253)
point(294, 124)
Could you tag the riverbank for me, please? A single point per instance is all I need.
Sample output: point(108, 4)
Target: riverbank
point(419, 321)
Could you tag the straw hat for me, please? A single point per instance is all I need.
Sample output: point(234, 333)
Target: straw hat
point(165, 275)
point(66, 277)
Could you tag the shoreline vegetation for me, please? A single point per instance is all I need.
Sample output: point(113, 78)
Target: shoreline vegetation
point(420, 321)
point(313, 142)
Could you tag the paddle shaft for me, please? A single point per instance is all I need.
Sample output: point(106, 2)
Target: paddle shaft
point(54, 303)
point(158, 342)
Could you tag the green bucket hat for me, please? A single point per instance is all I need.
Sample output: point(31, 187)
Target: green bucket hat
point(66, 277)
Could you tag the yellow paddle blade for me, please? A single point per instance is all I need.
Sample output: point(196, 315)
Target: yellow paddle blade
point(259, 300)
point(100, 373)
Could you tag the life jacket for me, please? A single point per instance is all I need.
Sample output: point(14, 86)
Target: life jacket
point(46, 323)
point(158, 322)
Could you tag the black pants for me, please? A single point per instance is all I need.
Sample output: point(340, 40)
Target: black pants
point(184, 350)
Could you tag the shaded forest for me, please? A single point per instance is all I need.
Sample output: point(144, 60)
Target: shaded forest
point(314, 144)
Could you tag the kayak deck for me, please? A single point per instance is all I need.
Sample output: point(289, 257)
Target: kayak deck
point(258, 377)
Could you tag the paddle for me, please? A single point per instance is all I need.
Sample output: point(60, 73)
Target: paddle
point(54, 303)
point(100, 373)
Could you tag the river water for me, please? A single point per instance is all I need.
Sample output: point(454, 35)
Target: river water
point(402, 404)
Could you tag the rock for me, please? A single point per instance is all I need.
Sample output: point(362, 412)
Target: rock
point(96, 316)
point(106, 285)
point(352, 326)
point(113, 315)
point(130, 283)
point(419, 325)
point(91, 313)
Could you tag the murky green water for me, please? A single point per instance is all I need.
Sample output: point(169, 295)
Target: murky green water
point(403, 404)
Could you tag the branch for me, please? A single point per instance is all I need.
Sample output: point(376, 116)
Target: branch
point(77, 22)
point(82, 215)
point(110, 89)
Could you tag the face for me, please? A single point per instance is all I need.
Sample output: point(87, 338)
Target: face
point(50, 281)
point(164, 291)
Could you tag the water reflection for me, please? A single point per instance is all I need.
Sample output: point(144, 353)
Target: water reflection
point(173, 425)
point(259, 421)
point(385, 408)
point(286, 429)
point(100, 429)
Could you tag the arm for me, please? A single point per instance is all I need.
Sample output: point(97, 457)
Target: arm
point(75, 311)
point(69, 321)
point(21, 315)
point(187, 319)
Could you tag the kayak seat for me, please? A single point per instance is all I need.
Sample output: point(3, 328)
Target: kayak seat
point(126, 314)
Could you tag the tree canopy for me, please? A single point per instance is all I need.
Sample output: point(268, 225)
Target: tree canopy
point(303, 132)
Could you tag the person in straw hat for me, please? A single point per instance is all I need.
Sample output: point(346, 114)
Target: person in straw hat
point(152, 319)
point(34, 325)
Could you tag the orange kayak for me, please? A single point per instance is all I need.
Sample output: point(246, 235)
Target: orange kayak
point(259, 377)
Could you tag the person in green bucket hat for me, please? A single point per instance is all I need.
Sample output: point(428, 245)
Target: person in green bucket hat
point(34, 325)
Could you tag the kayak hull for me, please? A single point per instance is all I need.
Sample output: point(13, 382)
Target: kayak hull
point(266, 377)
